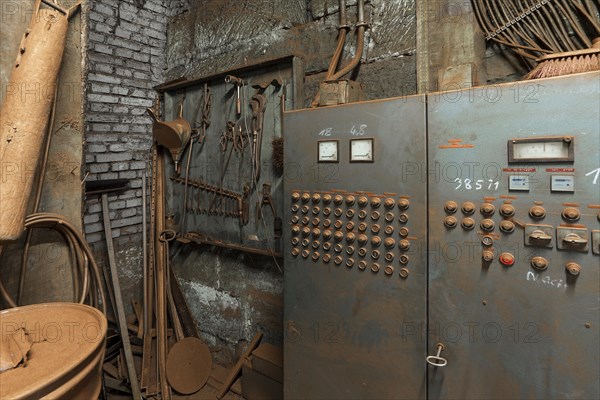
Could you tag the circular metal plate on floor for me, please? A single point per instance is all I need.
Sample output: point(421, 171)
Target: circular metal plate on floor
point(188, 365)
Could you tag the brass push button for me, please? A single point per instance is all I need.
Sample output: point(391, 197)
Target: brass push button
point(389, 203)
point(362, 239)
point(316, 221)
point(573, 268)
point(571, 214)
point(350, 200)
point(404, 245)
point(295, 241)
point(362, 227)
point(295, 252)
point(537, 212)
point(326, 198)
point(295, 219)
point(403, 218)
point(375, 215)
point(327, 223)
point(305, 253)
point(338, 224)
point(375, 202)
point(316, 198)
point(404, 231)
point(349, 226)
point(487, 209)
point(362, 252)
point(337, 199)
point(487, 225)
point(375, 267)
point(507, 210)
point(389, 230)
point(295, 208)
point(338, 212)
point(295, 196)
point(349, 214)
point(327, 211)
point(403, 204)
point(316, 244)
point(389, 243)
point(338, 248)
point(349, 263)
point(350, 250)
point(403, 273)
point(389, 217)
point(338, 236)
point(305, 220)
point(450, 222)
point(295, 230)
point(305, 197)
point(389, 270)
point(389, 257)
point(404, 259)
point(468, 208)
point(375, 229)
point(362, 265)
point(363, 201)
point(376, 241)
point(316, 210)
point(315, 256)
point(350, 237)
point(375, 254)
point(305, 231)
point(450, 207)
point(507, 226)
point(305, 209)
point(539, 263)
point(487, 255)
point(316, 233)
point(326, 246)
point(362, 214)
point(338, 260)
point(326, 258)
point(468, 223)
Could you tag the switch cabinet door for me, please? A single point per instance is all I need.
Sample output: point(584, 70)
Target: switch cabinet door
point(355, 264)
point(513, 275)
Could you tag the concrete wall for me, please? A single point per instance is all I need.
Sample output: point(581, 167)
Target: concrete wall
point(125, 61)
point(49, 270)
point(232, 294)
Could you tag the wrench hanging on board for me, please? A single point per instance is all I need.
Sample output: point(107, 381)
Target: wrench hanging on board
point(258, 112)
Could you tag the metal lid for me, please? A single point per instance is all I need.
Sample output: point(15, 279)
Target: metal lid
point(64, 339)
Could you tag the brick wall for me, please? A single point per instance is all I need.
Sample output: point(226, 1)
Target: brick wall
point(125, 61)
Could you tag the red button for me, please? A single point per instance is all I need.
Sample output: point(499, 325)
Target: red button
point(507, 259)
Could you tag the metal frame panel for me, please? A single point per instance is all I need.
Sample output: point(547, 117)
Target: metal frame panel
point(513, 331)
point(343, 325)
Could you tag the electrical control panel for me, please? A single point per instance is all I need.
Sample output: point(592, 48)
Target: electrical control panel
point(514, 204)
point(354, 239)
point(445, 246)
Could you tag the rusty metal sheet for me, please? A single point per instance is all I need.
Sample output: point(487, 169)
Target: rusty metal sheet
point(343, 322)
point(515, 331)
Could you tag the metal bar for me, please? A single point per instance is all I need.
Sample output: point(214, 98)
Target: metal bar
point(197, 238)
point(233, 374)
point(119, 301)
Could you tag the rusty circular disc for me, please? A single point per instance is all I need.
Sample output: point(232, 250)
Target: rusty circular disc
point(188, 365)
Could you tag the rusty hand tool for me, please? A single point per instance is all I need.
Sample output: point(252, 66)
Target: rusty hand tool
point(238, 82)
point(258, 111)
point(266, 200)
point(203, 119)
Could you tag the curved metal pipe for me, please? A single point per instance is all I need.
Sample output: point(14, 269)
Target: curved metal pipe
point(343, 30)
point(361, 24)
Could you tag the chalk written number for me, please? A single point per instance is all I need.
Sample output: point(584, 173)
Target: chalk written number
point(358, 132)
point(468, 184)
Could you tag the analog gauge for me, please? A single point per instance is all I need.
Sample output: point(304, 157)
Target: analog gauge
point(328, 151)
point(361, 150)
point(549, 149)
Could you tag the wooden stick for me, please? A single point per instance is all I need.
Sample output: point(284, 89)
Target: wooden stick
point(237, 368)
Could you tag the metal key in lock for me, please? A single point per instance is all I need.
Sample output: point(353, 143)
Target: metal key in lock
point(436, 360)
